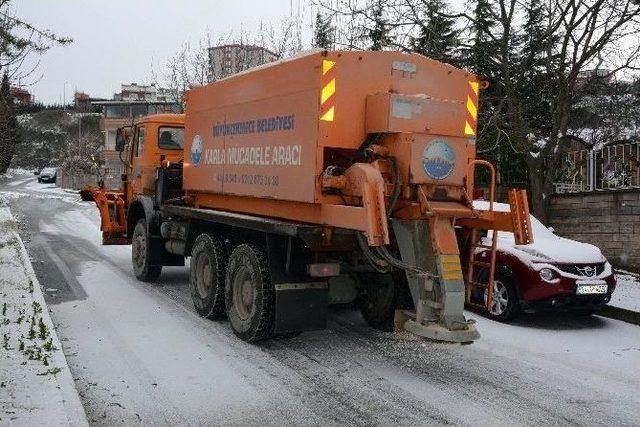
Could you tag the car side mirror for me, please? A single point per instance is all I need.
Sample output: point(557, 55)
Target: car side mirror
point(121, 139)
point(551, 229)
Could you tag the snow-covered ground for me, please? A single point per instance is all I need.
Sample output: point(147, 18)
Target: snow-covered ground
point(627, 293)
point(36, 387)
point(140, 354)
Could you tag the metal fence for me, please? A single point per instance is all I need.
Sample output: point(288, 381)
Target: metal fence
point(613, 167)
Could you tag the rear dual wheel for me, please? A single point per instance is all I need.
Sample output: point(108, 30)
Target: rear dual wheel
point(238, 284)
point(249, 293)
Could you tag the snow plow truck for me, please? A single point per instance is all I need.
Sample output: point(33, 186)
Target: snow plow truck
point(328, 178)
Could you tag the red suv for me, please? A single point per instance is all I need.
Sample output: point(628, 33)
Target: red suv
point(550, 273)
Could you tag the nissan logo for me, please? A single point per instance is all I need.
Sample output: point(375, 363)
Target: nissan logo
point(587, 271)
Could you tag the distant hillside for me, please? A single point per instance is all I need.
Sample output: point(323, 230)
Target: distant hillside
point(51, 137)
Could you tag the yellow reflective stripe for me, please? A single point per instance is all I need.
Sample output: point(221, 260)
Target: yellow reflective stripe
point(327, 65)
point(328, 116)
point(471, 108)
point(475, 86)
point(450, 267)
point(468, 130)
point(327, 91)
point(453, 275)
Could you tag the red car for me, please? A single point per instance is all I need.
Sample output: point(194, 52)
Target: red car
point(550, 273)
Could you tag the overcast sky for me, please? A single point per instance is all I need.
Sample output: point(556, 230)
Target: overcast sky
point(116, 41)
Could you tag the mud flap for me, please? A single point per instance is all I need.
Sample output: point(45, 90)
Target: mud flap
point(301, 306)
point(439, 301)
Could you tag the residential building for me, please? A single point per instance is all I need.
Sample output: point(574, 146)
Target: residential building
point(21, 96)
point(229, 59)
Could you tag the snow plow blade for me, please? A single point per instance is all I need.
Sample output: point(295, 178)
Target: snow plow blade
point(113, 218)
point(86, 195)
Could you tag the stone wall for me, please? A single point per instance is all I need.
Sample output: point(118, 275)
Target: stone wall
point(609, 220)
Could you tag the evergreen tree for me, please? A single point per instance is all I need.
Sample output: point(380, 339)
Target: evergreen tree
point(379, 34)
point(9, 129)
point(323, 33)
point(438, 37)
point(536, 52)
point(480, 56)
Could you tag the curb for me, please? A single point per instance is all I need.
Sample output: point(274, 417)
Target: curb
point(74, 409)
point(618, 313)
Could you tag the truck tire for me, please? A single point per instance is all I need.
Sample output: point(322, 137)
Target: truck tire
point(141, 254)
point(207, 276)
point(378, 303)
point(249, 293)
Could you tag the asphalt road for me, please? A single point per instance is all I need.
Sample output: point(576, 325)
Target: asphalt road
point(140, 355)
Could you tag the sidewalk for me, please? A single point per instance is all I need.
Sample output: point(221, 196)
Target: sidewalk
point(36, 386)
point(625, 302)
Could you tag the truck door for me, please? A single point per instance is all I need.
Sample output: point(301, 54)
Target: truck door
point(138, 159)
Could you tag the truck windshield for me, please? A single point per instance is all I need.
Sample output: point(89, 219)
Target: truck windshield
point(171, 138)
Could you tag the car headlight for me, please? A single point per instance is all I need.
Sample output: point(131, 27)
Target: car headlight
point(547, 275)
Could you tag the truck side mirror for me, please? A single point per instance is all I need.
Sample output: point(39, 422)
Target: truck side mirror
point(121, 140)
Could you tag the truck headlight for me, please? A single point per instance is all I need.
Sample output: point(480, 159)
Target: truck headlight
point(547, 275)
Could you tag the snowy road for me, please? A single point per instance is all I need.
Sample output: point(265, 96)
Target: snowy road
point(140, 354)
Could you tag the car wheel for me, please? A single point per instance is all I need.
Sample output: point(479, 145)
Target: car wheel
point(584, 311)
point(207, 276)
point(141, 254)
point(249, 293)
point(40, 180)
point(505, 304)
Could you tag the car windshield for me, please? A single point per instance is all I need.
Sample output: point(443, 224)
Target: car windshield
point(48, 170)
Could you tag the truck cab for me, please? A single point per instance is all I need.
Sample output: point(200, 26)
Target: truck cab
point(152, 142)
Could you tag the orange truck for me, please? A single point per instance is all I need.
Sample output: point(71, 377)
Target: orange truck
point(327, 178)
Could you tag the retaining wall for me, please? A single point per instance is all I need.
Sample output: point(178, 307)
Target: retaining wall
point(609, 220)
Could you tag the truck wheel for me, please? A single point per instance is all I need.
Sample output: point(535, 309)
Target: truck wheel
point(378, 303)
point(207, 276)
point(249, 293)
point(141, 254)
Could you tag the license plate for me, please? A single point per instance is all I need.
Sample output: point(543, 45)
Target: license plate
point(591, 289)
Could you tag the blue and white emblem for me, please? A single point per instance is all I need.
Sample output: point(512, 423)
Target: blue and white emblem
point(196, 150)
point(438, 159)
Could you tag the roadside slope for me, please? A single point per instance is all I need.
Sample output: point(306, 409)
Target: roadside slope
point(36, 387)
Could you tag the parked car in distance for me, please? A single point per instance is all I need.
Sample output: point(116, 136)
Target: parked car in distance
point(552, 273)
point(48, 175)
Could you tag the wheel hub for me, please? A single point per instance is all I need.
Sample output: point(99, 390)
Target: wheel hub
point(243, 292)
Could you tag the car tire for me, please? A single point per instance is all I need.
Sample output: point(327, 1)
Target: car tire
point(506, 302)
point(40, 180)
point(249, 293)
point(141, 254)
point(207, 276)
point(379, 301)
point(583, 312)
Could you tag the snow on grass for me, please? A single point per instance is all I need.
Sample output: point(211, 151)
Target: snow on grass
point(35, 383)
point(46, 193)
point(627, 293)
point(13, 173)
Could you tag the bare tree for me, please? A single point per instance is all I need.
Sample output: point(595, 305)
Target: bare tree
point(19, 39)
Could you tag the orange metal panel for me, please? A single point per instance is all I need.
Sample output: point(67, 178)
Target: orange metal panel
point(391, 112)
